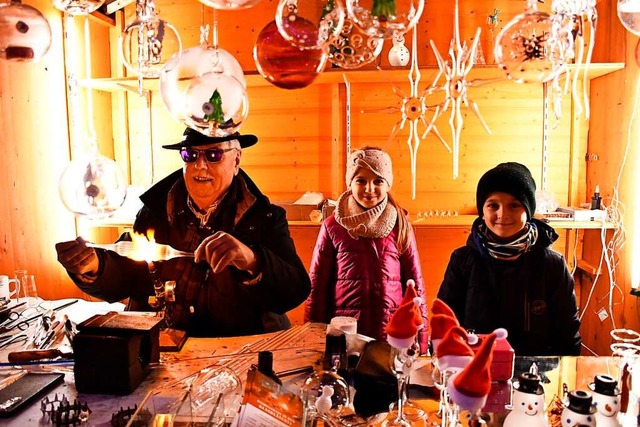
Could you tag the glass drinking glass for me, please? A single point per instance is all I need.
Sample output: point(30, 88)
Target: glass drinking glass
point(401, 362)
point(21, 276)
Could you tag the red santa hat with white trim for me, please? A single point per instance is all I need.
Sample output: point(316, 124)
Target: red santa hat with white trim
point(453, 352)
point(441, 307)
point(407, 320)
point(439, 325)
point(470, 387)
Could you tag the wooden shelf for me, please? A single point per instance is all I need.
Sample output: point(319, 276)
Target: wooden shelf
point(333, 76)
point(467, 220)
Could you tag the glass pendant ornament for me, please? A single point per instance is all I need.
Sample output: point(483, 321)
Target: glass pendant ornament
point(92, 186)
point(283, 64)
point(352, 48)
point(384, 18)
point(25, 34)
point(190, 80)
point(78, 7)
point(148, 42)
point(230, 4)
point(329, 14)
point(522, 47)
point(629, 15)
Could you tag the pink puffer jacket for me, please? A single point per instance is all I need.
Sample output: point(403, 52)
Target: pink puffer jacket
point(363, 278)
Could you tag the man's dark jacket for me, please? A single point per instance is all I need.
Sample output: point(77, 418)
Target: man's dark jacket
point(532, 296)
point(209, 304)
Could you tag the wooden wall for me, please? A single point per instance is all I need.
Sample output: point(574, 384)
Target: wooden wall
point(303, 135)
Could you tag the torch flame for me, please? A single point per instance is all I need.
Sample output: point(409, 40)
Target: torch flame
point(145, 247)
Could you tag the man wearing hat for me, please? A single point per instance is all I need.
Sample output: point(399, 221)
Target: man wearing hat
point(245, 273)
point(508, 276)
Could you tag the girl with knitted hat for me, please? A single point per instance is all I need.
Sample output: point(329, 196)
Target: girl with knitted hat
point(508, 276)
point(365, 252)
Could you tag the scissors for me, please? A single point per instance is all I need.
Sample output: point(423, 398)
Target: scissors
point(6, 340)
point(24, 324)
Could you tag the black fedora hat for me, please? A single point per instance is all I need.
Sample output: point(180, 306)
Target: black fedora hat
point(528, 383)
point(580, 402)
point(604, 384)
point(193, 138)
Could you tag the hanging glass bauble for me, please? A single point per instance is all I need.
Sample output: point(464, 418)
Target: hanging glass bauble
point(78, 7)
point(217, 104)
point(522, 47)
point(384, 18)
point(230, 4)
point(329, 14)
point(25, 34)
point(92, 187)
point(352, 48)
point(629, 15)
point(147, 44)
point(181, 71)
point(283, 64)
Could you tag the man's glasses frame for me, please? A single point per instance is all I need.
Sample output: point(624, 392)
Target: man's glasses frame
point(211, 155)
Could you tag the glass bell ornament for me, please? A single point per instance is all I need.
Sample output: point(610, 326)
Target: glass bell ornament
point(325, 395)
point(629, 15)
point(522, 47)
point(399, 55)
point(25, 34)
point(92, 186)
point(384, 18)
point(230, 4)
point(78, 7)
point(329, 14)
point(148, 42)
point(352, 48)
point(201, 67)
point(283, 64)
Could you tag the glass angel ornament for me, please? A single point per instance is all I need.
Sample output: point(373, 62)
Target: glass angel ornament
point(78, 7)
point(352, 48)
point(148, 42)
point(191, 86)
point(385, 18)
point(329, 14)
point(92, 186)
point(25, 34)
point(283, 64)
point(522, 47)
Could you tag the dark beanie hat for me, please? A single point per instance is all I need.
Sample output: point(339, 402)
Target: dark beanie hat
point(512, 178)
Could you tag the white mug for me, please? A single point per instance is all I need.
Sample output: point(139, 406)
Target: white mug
point(5, 282)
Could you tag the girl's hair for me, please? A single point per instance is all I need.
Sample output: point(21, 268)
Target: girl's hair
point(404, 228)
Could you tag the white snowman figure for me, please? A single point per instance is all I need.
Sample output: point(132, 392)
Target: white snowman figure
point(606, 398)
point(579, 410)
point(528, 403)
point(398, 54)
point(323, 404)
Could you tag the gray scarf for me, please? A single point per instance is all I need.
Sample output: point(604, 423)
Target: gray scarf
point(360, 222)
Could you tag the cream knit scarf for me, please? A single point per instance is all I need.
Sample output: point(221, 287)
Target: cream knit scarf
point(360, 222)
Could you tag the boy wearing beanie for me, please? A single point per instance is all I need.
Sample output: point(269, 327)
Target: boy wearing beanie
point(508, 276)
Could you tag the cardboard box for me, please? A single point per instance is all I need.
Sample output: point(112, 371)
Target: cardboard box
point(502, 365)
point(300, 210)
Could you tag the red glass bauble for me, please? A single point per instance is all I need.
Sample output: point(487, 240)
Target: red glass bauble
point(283, 64)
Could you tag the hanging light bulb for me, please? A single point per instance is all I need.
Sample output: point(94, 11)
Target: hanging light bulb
point(283, 64)
point(148, 42)
point(399, 54)
point(629, 15)
point(78, 7)
point(385, 18)
point(25, 34)
point(92, 186)
point(329, 14)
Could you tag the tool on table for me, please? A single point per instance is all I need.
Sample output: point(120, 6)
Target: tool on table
point(23, 324)
point(6, 340)
point(34, 355)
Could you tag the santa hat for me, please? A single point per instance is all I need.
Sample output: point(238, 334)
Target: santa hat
point(407, 319)
point(453, 351)
point(439, 325)
point(441, 307)
point(470, 387)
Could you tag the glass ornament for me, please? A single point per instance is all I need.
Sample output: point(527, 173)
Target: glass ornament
point(384, 18)
point(398, 55)
point(25, 34)
point(522, 48)
point(283, 64)
point(629, 15)
point(319, 386)
point(78, 7)
point(230, 4)
point(329, 14)
point(352, 48)
point(147, 44)
point(196, 68)
point(92, 187)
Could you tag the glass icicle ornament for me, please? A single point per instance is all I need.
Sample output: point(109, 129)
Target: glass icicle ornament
point(25, 34)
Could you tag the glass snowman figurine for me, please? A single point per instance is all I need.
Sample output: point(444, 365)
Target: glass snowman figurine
point(606, 398)
point(579, 410)
point(528, 403)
